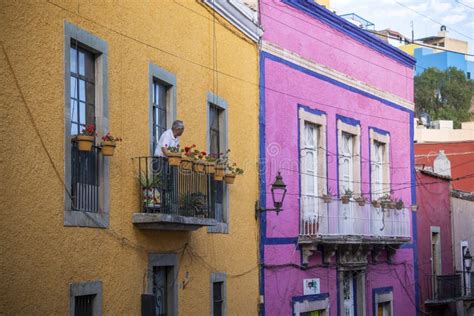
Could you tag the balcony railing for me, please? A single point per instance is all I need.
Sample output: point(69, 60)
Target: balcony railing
point(85, 179)
point(444, 287)
point(335, 219)
point(172, 198)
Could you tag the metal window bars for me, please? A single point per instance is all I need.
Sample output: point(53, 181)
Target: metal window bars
point(85, 167)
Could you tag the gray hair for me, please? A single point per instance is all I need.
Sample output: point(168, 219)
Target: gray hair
point(177, 125)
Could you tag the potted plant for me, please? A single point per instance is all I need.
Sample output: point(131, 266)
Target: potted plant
point(233, 172)
point(194, 204)
point(387, 201)
point(108, 144)
point(150, 190)
point(211, 163)
point(399, 204)
point(221, 164)
point(376, 203)
point(85, 139)
point(345, 198)
point(187, 158)
point(173, 153)
point(327, 198)
point(199, 164)
point(360, 199)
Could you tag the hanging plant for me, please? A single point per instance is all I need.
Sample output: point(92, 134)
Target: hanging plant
point(85, 139)
point(346, 197)
point(173, 153)
point(360, 200)
point(108, 144)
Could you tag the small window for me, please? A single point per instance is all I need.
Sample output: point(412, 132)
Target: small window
point(84, 305)
point(468, 75)
point(160, 112)
point(312, 313)
point(384, 309)
point(346, 161)
point(378, 169)
point(218, 298)
point(215, 146)
point(310, 172)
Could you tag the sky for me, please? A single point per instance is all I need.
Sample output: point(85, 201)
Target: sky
point(457, 15)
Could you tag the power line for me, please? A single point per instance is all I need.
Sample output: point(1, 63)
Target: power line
point(463, 4)
point(429, 18)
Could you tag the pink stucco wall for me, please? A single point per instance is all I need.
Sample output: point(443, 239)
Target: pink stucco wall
point(284, 88)
point(434, 210)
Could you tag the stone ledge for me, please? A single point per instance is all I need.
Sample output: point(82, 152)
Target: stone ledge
point(159, 221)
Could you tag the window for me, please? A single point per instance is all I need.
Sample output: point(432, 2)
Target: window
point(309, 159)
point(218, 294)
point(436, 267)
point(348, 155)
point(162, 276)
point(85, 298)
point(352, 292)
point(379, 163)
point(311, 305)
point(162, 98)
point(84, 165)
point(217, 143)
point(383, 301)
point(86, 102)
point(84, 305)
point(217, 187)
point(159, 111)
point(218, 302)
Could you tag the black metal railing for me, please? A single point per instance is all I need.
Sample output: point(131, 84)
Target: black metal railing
point(444, 287)
point(85, 179)
point(171, 190)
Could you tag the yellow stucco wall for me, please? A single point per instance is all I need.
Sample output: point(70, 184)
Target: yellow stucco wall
point(39, 255)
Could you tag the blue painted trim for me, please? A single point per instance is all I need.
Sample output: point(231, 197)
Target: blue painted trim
point(347, 120)
point(310, 110)
point(340, 24)
point(262, 172)
point(379, 131)
point(414, 224)
point(311, 73)
point(309, 298)
point(281, 240)
point(379, 291)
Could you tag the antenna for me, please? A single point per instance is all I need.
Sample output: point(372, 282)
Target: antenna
point(412, 31)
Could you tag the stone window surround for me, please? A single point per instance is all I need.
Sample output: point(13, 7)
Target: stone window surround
point(169, 79)
point(309, 303)
point(78, 218)
point(221, 103)
point(353, 130)
point(219, 277)
point(320, 120)
point(382, 295)
point(86, 288)
point(374, 135)
point(165, 260)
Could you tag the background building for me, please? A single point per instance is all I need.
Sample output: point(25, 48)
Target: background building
point(333, 119)
point(78, 231)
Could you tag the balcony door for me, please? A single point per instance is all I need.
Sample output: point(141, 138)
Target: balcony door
point(346, 182)
point(377, 185)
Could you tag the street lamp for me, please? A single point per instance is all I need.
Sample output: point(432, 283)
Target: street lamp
point(467, 261)
point(278, 196)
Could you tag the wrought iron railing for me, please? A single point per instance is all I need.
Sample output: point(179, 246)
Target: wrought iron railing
point(444, 287)
point(171, 190)
point(337, 219)
point(85, 167)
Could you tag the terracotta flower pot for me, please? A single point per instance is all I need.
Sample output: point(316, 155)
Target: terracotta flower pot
point(327, 198)
point(174, 159)
point(376, 203)
point(210, 167)
point(84, 142)
point(218, 178)
point(229, 178)
point(220, 170)
point(186, 163)
point(108, 148)
point(345, 199)
point(199, 166)
point(361, 202)
point(392, 205)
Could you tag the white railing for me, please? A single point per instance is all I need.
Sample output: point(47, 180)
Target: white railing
point(337, 219)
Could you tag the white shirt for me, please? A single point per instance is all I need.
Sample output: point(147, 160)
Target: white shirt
point(167, 139)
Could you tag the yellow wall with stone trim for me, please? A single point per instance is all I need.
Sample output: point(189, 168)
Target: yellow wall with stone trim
point(40, 256)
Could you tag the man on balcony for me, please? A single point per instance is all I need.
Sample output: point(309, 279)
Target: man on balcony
point(170, 138)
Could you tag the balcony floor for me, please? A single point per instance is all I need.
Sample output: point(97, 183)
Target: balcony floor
point(158, 221)
point(352, 239)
